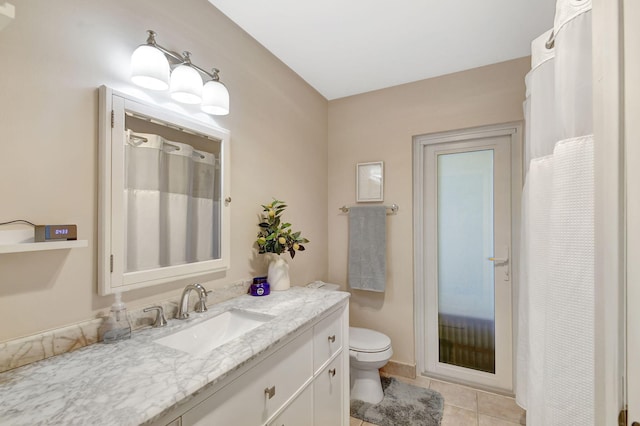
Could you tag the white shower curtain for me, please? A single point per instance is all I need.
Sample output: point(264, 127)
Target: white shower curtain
point(555, 351)
point(202, 212)
point(174, 201)
point(142, 201)
point(171, 203)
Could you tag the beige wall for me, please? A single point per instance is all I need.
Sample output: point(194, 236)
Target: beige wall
point(53, 58)
point(55, 55)
point(379, 126)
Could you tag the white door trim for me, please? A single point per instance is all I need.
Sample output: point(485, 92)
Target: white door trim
point(631, 136)
point(514, 130)
point(609, 210)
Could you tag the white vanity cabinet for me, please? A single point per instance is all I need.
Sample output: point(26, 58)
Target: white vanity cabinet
point(328, 394)
point(330, 371)
point(327, 339)
point(297, 413)
point(257, 395)
point(304, 382)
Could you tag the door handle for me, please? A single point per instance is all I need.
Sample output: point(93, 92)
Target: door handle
point(503, 261)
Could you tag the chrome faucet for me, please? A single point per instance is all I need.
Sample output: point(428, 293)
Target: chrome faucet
point(160, 321)
point(184, 300)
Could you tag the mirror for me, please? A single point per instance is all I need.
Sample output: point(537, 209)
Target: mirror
point(163, 180)
point(369, 182)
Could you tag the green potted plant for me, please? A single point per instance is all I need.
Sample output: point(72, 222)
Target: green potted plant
point(276, 237)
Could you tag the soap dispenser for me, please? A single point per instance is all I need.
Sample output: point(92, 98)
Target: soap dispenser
point(116, 326)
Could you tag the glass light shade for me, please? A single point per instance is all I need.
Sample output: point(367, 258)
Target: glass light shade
point(215, 98)
point(186, 85)
point(150, 68)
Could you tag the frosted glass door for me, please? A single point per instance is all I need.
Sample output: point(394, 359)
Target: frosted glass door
point(466, 259)
point(466, 317)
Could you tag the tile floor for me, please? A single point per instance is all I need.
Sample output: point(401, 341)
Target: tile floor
point(465, 406)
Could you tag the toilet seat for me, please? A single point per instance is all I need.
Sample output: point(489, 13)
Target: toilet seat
point(372, 357)
point(368, 341)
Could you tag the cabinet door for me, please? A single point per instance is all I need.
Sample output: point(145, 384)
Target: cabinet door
point(327, 339)
point(255, 396)
point(298, 413)
point(327, 395)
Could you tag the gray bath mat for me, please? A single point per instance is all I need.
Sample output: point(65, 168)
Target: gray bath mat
point(402, 405)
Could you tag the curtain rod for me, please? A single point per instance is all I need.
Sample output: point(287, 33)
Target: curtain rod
point(133, 136)
point(393, 207)
point(142, 139)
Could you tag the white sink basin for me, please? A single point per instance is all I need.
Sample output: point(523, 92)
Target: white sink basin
point(208, 335)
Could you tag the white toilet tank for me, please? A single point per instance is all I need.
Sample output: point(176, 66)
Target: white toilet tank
point(324, 286)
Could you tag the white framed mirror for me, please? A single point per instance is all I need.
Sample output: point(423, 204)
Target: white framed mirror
point(163, 195)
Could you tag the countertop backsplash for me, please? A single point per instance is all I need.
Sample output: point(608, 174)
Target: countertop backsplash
point(18, 352)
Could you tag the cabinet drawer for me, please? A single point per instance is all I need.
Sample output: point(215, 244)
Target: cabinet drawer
point(328, 394)
point(327, 339)
point(245, 401)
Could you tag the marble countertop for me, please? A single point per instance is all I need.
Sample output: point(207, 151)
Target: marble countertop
point(137, 380)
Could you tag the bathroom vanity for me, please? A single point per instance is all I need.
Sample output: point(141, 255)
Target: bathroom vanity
point(302, 382)
point(291, 370)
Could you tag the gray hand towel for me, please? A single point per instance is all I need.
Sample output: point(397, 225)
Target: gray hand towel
point(368, 247)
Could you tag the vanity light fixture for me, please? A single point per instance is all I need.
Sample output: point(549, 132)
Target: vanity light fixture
point(186, 83)
point(151, 69)
point(215, 96)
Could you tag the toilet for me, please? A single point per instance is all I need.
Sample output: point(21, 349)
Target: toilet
point(369, 351)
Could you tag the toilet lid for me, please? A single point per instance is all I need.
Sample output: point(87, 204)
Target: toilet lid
point(365, 340)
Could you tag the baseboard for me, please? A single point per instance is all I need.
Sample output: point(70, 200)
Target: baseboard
point(396, 368)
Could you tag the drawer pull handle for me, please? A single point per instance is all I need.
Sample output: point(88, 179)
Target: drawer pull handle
point(332, 372)
point(332, 338)
point(270, 392)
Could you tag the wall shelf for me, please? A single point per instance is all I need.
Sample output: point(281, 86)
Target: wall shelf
point(21, 240)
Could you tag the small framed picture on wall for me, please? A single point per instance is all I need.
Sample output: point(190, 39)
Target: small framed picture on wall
point(370, 182)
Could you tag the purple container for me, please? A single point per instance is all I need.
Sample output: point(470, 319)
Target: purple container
point(260, 287)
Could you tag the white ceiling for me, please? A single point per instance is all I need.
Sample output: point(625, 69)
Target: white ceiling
point(346, 47)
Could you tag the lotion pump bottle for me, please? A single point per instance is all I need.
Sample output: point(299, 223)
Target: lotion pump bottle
point(116, 326)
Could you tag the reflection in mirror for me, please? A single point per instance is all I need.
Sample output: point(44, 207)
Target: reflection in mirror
point(163, 177)
point(172, 195)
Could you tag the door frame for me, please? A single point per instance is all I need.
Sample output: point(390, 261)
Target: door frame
point(632, 156)
point(514, 131)
point(610, 207)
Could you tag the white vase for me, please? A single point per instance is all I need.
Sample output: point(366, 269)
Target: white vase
point(278, 274)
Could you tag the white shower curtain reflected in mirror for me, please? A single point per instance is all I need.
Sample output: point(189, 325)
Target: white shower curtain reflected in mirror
point(202, 211)
point(176, 174)
point(172, 213)
point(142, 201)
point(555, 350)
